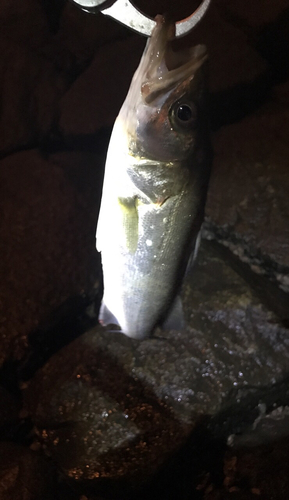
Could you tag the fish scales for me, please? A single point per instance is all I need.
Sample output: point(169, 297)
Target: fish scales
point(155, 184)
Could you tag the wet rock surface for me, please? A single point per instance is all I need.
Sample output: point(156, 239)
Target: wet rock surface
point(108, 408)
point(255, 464)
point(10, 410)
point(248, 206)
point(201, 413)
point(25, 475)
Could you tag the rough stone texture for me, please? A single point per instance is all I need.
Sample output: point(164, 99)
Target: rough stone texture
point(48, 217)
point(31, 82)
point(30, 89)
point(97, 95)
point(248, 195)
point(81, 34)
point(24, 475)
point(254, 14)
point(9, 410)
point(255, 463)
point(43, 51)
point(107, 406)
point(233, 61)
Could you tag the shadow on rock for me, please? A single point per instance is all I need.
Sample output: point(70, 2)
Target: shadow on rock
point(242, 450)
point(63, 325)
point(232, 105)
point(109, 430)
point(274, 46)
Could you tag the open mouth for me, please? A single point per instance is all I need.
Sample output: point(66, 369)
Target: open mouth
point(162, 68)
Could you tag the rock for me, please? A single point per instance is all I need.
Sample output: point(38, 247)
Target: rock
point(25, 474)
point(95, 98)
point(9, 410)
point(39, 62)
point(31, 82)
point(49, 209)
point(252, 14)
point(82, 34)
point(31, 87)
point(256, 462)
point(266, 429)
point(108, 407)
point(247, 201)
point(232, 59)
point(19, 20)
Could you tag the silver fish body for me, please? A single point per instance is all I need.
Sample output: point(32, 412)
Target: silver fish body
point(155, 185)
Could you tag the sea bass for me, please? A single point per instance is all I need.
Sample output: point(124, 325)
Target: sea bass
point(155, 184)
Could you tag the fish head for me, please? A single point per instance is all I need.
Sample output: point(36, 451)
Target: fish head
point(163, 113)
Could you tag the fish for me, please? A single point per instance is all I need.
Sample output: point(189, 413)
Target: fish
point(155, 183)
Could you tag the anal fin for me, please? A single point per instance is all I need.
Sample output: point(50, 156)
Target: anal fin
point(175, 318)
point(106, 317)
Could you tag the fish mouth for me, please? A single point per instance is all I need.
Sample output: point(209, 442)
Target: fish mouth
point(163, 78)
point(161, 67)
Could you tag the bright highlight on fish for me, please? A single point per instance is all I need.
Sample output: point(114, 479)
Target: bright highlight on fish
point(154, 191)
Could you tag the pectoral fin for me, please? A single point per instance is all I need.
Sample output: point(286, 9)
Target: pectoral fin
point(129, 222)
point(194, 252)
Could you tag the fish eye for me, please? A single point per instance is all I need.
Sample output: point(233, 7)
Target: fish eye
point(184, 114)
